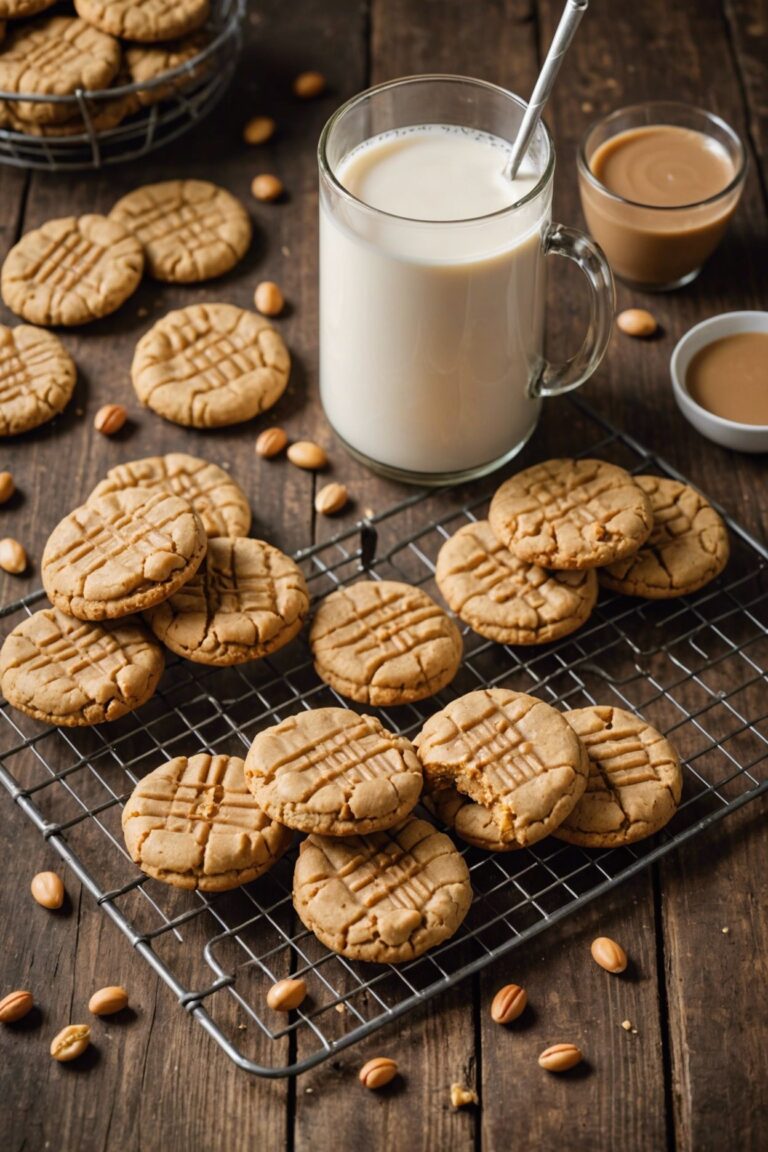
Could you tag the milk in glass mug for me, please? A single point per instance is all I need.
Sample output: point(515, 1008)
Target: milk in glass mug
point(433, 279)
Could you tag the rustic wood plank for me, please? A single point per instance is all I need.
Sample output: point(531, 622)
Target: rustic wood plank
point(747, 22)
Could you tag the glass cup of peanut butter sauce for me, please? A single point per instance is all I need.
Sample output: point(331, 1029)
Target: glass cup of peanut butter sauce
point(659, 182)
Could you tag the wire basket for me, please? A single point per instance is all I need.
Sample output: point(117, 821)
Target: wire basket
point(693, 667)
point(189, 92)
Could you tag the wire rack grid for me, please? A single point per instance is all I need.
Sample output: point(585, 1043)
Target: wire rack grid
point(155, 111)
point(693, 667)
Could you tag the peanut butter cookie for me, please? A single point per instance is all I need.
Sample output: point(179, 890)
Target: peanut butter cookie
point(333, 772)
point(687, 548)
point(571, 514)
point(193, 823)
point(37, 378)
point(149, 62)
point(71, 271)
point(122, 553)
point(56, 56)
point(384, 643)
point(191, 230)
point(220, 503)
point(468, 819)
point(635, 780)
point(512, 754)
point(67, 672)
point(506, 599)
point(16, 9)
point(386, 898)
point(210, 365)
point(246, 600)
point(145, 20)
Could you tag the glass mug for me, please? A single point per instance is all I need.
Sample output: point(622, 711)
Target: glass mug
point(432, 332)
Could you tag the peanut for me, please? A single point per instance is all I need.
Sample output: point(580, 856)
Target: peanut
point(268, 298)
point(259, 129)
point(110, 419)
point(508, 1003)
point(271, 442)
point(608, 954)
point(14, 1006)
point(13, 558)
point(560, 1057)
point(266, 187)
point(307, 454)
point(47, 889)
point(286, 994)
point(461, 1096)
point(331, 498)
point(307, 85)
point(377, 1072)
point(636, 322)
point(7, 487)
point(71, 1042)
point(108, 1000)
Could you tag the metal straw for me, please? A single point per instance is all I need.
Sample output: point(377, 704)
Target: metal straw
point(566, 30)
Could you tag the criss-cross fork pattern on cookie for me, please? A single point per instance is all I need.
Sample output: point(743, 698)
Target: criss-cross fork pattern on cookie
point(37, 378)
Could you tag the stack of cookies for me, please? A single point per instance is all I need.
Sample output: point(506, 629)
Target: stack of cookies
point(163, 537)
point(109, 44)
point(530, 573)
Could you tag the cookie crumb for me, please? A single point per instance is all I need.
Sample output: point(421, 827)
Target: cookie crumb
point(308, 1091)
point(285, 250)
point(341, 1009)
point(626, 1025)
point(461, 1097)
point(725, 931)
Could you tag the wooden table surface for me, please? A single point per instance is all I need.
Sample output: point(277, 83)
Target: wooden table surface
point(695, 1076)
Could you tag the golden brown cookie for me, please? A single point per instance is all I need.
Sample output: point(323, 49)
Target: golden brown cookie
point(384, 643)
point(149, 62)
point(246, 600)
point(506, 599)
point(687, 548)
point(635, 780)
point(16, 9)
point(509, 752)
point(333, 772)
point(55, 56)
point(193, 823)
point(104, 115)
point(468, 819)
point(145, 20)
point(210, 365)
point(122, 553)
point(37, 378)
point(220, 503)
point(69, 672)
point(71, 271)
point(385, 898)
point(571, 514)
point(191, 230)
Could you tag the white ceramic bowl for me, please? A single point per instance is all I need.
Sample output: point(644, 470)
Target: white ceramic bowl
point(742, 437)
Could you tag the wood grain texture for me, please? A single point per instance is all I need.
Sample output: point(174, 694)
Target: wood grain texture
point(694, 1077)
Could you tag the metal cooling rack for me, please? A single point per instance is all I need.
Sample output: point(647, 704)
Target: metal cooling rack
point(693, 667)
point(195, 88)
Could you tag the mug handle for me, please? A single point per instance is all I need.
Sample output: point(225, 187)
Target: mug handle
point(554, 379)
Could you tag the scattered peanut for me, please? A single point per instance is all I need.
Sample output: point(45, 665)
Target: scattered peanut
point(307, 85)
point(108, 1000)
point(47, 889)
point(13, 558)
point(271, 442)
point(7, 487)
point(307, 454)
point(286, 994)
point(110, 419)
point(330, 499)
point(14, 1006)
point(461, 1096)
point(560, 1057)
point(266, 187)
point(268, 298)
point(378, 1072)
point(636, 322)
point(259, 129)
point(608, 954)
point(508, 1003)
point(71, 1042)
